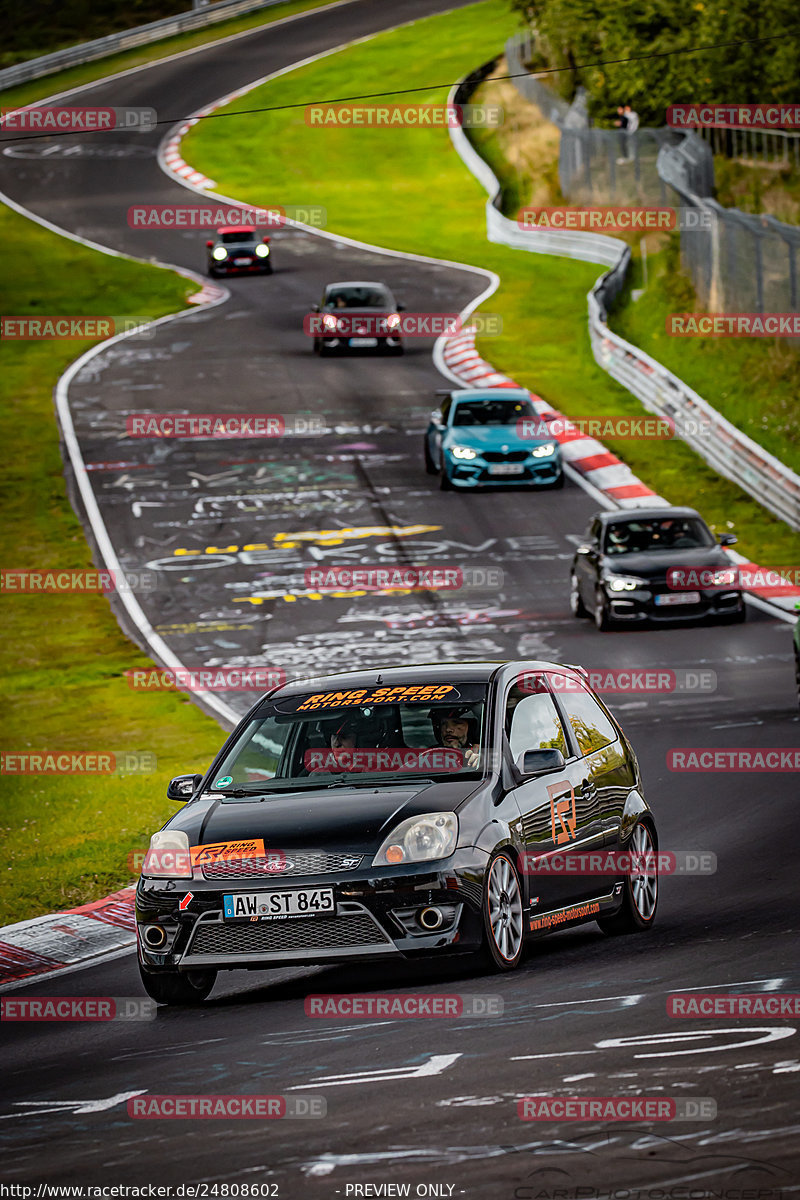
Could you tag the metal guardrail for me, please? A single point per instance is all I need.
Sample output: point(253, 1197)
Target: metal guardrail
point(127, 39)
point(717, 441)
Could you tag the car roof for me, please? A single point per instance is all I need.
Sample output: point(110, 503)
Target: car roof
point(634, 514)
point(370, 283)
point(237, 229)
point(461, 672)
point(490, 394)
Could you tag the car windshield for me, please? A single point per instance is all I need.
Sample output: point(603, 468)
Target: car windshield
point(492, 412)
point(373, 735)
point(240, 235)
point(663, 533)
point(359, 297)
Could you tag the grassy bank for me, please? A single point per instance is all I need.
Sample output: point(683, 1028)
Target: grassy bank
point(407, 189)
point(66, 840)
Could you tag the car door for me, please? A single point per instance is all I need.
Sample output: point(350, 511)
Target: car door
point(436, 428)
point(604, 775)
point(587, 563)
point(548, 804)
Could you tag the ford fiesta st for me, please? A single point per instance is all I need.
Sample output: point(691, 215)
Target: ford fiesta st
point(356, 315)
point(654, 564)
point(392, 814)
point(488, 437)
point(239, 250)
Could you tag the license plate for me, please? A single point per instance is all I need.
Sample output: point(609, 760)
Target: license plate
point(276, 906)
point(506, 469)
point(363, 342)
point(679, 598)
point(242, 262)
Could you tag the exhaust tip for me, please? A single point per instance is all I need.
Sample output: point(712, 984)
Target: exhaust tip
point(154, 936)
point(430, 918)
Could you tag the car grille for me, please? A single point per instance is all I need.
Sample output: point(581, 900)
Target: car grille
point(494, 456)
point(269, 937)
point(308, 863)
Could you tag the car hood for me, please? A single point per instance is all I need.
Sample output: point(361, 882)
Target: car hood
point(343, 818)
point(491, 437)
point(655, 563)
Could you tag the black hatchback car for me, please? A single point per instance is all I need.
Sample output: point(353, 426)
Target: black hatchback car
point(356, 315)
point(239, 250)
point(654, 564)
point(393, 814)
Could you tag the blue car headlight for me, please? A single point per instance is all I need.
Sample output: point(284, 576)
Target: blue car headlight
point(463, 452)
point(545, 450)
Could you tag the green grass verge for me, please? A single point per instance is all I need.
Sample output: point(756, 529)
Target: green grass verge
point(66, 840)
point(407, 189)
point(61, 81)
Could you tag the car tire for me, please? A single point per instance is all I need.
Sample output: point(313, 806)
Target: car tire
point(445, 483)
point(503, 915)
point(177, 987)
point(577, 607)
point(430, 465)
point(738, 617)
point(602, 617)
point(639, 892)
point(559, 483)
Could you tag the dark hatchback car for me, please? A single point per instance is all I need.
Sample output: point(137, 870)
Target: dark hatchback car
point(239, 250)
point(654, 564)
point(393, 814)
point(357, 315)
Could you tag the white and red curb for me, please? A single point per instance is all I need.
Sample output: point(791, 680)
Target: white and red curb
point(59, 941)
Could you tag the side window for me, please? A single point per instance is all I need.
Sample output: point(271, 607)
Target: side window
point(592, 728)
point(532, 723)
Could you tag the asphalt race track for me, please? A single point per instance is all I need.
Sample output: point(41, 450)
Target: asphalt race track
point(408, 1101)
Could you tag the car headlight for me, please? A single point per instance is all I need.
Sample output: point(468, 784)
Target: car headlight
point(727, 577)
point(393, 321)
point(624, 583)
point(419, 839)
point(465, 452)
point(261, 250)
point(329, 321)
point(219, 252)
point(169, 856)
point(545, 450)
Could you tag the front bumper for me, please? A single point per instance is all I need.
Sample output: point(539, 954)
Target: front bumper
point(477, 472)
point(376, 916)
point(259, 266)
point(382, 342)
point(641, 605)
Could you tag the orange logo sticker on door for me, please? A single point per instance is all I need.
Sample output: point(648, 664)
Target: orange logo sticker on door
point(562, 811)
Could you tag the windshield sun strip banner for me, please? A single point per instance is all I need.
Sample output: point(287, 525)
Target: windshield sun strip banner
point(384, 695)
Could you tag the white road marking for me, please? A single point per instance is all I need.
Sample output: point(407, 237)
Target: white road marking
point(54, 1107)
point(435, 1065)
point(772, 1033)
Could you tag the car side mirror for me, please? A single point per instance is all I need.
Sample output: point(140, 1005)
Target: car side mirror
point(315, 308)
point(183, 787)
point(538, 762)
point(727, 539)
point(401, 307)
point(209, 244)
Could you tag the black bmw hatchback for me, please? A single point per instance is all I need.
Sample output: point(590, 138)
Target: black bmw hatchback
point(396, 813)
point(654, 564)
